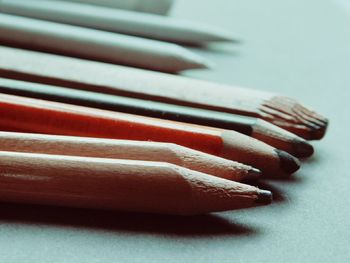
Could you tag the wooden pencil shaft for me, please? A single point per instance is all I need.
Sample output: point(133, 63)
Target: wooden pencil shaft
point(156, 86)
point(32, 115)
point(149, 108)
point(126, 149)
point(250, 126)
point(96, 45)
point(125, 185)
point(150, 6)
point(253, 127)
point(120, 21)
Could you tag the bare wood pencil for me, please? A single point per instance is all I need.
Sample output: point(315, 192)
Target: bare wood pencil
point(119, 21)
point(256, 128)
point(56, 70)
point(150, 6)
point(127, 149)
point(95, 44)
point(136, 186)
point(33, 115)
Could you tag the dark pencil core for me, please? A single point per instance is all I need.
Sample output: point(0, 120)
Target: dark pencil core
point(288, 163)
point(253, 174)
point(264, 197)
point(302, 148)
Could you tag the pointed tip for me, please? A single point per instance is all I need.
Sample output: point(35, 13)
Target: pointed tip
point(318, 134)
point(185, 59)
point(302, 148)
point(221, 35)
point(231, 39)
point(252, 174)
point(206, 64)
point(288, 163)
point(197, 62)
point(264, 197)
point(227, 38)
point(203, 63)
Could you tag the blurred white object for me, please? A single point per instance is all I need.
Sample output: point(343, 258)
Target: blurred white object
point(160, 7)
point(120, 21)
point(97, 45)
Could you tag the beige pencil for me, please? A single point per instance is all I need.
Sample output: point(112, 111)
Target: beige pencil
point(127, 149)
point(136, 186)
point(96, 45)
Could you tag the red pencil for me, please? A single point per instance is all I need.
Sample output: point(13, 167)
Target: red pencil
point(33, 115)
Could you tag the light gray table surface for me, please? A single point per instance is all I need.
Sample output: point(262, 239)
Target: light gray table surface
point(297, 48)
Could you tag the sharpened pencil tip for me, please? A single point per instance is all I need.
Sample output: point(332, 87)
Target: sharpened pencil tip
point(318, 134)
point(302, 148)
point(264, 197)
point(220, 35)
point(252, 174)
point(195, 61)
point(288, 163)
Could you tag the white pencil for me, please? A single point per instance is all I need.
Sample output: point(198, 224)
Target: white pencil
point(119, 21)
point(96, 45)
point(150, 6)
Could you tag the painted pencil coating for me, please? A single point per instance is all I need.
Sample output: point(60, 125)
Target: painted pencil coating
point(250, 126)
point(150, 6)
point(127, 149)
point(96, 45)
point(125, 185)
point(33, 115)
point(119, 21)
point(281, 111)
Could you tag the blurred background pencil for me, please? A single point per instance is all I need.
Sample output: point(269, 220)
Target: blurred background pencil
point(149, 6)
point(119, 21)
point(33, 115)
point(135, 186)
point(127, 149)
point(96, 45)
point(256, 128)
point(112, 79)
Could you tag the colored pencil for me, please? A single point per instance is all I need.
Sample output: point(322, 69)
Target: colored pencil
point(119, 21)
point(127, 149)
point(135, 186)
point(96, 45)
point(250, 126)
point(33, 115)
point(89, 75)
point(150, 6)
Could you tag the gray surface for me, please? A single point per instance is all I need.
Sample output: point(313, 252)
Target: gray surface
point(299, 48)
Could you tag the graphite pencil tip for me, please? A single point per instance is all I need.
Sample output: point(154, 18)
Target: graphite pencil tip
point(252, 174)
point(264, 197)
point(318, 134)
point(288, 163)
point(302, 148)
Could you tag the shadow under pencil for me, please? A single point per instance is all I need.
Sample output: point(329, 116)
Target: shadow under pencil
point(189, 226)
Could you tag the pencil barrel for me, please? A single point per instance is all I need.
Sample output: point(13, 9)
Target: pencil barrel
point(160, 7)
point(253, 127)
point(32, 115)
point(126, 149)
point(135, 186)
point(116, 20)
point(97, 45)
point(161, 87)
